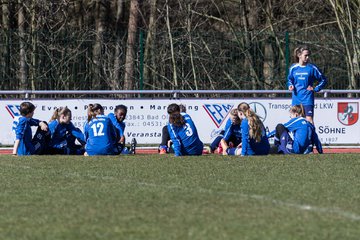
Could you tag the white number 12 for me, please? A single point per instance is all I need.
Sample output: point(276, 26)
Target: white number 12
point(98, 129)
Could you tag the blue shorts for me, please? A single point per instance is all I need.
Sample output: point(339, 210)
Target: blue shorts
point(309, 110)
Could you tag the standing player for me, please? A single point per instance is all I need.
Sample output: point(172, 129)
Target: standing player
point(304, 135)
point(64, 134)
point(25, 144)
point(301, 80)
point(183, 133)
point(253, 134)
point(117, 118)
point(100, 134)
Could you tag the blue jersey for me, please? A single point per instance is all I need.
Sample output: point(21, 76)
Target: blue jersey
point(232, 130)
point(24, 134)
point(119, 126)
point(249, 145)
point(100, 136)
point(15, 123)
point(59, 133)
point(301, 77)
point(303, 134)
point(185, 139)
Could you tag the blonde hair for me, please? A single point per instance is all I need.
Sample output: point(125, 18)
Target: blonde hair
point(298, 110)
point(94, 110)
point(298, 51)
point(60, 111)
point(255, 124)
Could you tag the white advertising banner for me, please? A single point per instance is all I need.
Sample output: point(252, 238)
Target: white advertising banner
point(336, 120)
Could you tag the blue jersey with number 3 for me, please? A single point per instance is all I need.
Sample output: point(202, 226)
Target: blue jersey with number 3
point(185, 139)
point(100, 136)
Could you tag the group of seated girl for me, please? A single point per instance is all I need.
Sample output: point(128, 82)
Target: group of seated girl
point(244, 133)
point(103, 134)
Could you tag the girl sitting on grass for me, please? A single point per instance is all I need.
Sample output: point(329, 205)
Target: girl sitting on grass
point(183, 132)
point(64, 134)
point(25, 143)
point(100, 134)
point(304, 135)
point(253, 135)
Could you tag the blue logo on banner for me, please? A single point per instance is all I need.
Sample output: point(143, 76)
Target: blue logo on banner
point(14, 110)
point(218, 112)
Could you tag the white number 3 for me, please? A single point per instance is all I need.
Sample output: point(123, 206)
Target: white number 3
point(188, 130)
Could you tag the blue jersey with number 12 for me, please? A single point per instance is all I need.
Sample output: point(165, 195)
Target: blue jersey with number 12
point(100, 136)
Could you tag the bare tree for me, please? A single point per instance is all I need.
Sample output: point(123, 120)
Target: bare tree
point(5, 51)
point(23, 70)
point(100, 9)
point(342, 10)
point(149, 53)
point(190, 44)
point(174, 67)
point(115, 81)
point(130, 46)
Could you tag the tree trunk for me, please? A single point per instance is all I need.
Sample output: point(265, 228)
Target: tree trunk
point(130, 46)
point(268, 65)
point(357, 51)
point(23, 73)
point(115, 82)
point(342, 24)
point(33, 66)
point(189, 32)
point(5, 52)
point(97, 50)
point(171, 47)
point(250, 14)
point(149, 54)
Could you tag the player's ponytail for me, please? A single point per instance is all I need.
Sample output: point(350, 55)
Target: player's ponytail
point(55, 115)
point(60, 111)
point(302, 111)
point(175, 117)
point(234, 116)
point(298, 110)
point(94, 110)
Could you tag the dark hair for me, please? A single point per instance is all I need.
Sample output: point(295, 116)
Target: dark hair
point(175, 117)
point(299, 50)
point(121, 107)
point(94, 110)
point(182, 108)
point(26, 108)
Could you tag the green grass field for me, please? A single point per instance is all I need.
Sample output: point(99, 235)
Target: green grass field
point(163, 197)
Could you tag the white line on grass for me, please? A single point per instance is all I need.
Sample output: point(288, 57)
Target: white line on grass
point(301, 207)
point(15, 166)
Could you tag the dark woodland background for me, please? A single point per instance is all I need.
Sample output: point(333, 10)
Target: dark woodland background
point(174, 44)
